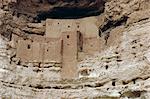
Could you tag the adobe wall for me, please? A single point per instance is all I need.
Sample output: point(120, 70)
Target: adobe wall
point(24, 50)
point(69, 63)
point(87, 27)
point(55, 27)
point(45, 50)
point(52, 52)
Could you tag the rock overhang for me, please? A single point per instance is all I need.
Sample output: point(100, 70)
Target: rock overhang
point(59, 9)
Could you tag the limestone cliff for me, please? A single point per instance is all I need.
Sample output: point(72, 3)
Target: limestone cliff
point(120, 70)
point(42, 9)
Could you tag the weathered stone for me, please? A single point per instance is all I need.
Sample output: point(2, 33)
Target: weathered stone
point(119, 70)
point(46, 8)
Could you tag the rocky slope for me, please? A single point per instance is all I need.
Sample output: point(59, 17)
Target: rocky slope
point(120, 71)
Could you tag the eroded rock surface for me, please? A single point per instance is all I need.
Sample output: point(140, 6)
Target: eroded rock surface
point(121, 70)
point(42, 9)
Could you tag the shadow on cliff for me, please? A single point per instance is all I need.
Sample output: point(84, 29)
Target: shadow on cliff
point(65, 13)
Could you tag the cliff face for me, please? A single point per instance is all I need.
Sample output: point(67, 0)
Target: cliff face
point(121, 70)
point(42, 9)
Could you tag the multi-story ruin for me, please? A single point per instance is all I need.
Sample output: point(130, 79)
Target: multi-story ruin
point(66, 41)
point(64, 58)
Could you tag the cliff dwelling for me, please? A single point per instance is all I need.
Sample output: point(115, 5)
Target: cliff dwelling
point(74, 49)
point(65, 41)
point(67, 37)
